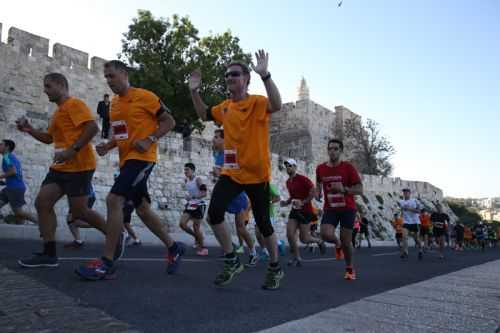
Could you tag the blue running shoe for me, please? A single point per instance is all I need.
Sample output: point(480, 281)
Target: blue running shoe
point(264, 256)
point(174, 257)
point(96, 270)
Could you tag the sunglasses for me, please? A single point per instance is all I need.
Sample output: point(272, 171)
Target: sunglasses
point(233, 74)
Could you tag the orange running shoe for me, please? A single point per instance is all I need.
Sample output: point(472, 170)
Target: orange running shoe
point(339, 254)
point(350, 274)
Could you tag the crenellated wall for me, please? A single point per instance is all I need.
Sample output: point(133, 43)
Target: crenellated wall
point(300, 131)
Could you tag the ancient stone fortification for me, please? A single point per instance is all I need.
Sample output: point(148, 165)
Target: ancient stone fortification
point(300, 131)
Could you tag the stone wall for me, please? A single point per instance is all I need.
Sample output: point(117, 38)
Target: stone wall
point(299, 131)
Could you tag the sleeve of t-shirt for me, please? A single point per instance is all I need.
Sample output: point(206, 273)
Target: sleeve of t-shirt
point(262, 103)
point(216, 113)
point(354, 177)
point(7, 161)
point(150, 102)
point(309, 184)
point(80, 113)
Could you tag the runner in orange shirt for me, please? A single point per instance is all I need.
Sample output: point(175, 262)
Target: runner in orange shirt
point(138, 119)
point(398, 226)
point(71, 128)
point(425, 228)
point(247, 165)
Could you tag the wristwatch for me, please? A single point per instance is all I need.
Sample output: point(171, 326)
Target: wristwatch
point(153, 138)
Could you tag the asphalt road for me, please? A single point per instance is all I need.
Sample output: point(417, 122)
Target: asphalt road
point(146, 297)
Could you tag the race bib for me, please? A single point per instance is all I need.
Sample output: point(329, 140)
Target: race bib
point(120, 130)
point(296, 204)
point(193, 204)
point(336, 200)
point(231, 159)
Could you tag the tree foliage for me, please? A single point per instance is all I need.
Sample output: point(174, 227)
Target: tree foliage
point(162, 52)
point(466, 215)
point(371, 150)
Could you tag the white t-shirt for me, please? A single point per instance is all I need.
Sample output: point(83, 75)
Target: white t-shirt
point(410, 217)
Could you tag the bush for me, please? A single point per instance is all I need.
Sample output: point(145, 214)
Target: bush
point(379, 199)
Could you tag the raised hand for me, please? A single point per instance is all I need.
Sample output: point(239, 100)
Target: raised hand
point(262, 62)
point(195, 80)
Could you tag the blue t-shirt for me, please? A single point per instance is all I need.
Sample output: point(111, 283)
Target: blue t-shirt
point(10, 160)
point(219, 158)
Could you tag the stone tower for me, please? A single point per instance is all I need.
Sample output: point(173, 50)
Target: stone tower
point(303, 92)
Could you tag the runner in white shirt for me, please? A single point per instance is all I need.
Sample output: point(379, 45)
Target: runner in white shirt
point(411, 222)
point(195, 207)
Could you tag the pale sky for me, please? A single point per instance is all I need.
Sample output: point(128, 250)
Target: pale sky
point(428, 71)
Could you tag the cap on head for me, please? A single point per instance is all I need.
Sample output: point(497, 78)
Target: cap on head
point(407, 190)
point(291, 161)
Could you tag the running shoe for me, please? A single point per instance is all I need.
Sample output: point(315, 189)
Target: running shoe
point(339, 254)
point(39, 260)
point(202, 252)
point(295, 262)
point(239, 249)
point(252, 261)
point(96, 270)
point(273, 278)
point(232, 267)
point(350, 274)
point(174, 258)
point(264, 256)
point(74, 245)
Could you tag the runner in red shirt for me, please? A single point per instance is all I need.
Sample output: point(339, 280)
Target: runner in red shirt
point(302, 191)
point(340, 182)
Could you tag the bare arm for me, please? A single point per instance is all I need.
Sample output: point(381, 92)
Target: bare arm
point(166, 123)
point(272, 91)
point(199, 106)
point(318, 190)
point(202, 187)
point(24, 126)
point(273, 95)
point(43, 137)
point(194, 85)
point(356, 189)
point(90, 129)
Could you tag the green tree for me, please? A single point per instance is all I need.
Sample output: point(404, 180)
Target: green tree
point(163, 52)
point(371, 151)
point(466, 215)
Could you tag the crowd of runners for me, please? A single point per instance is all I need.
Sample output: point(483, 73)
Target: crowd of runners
point(241, 175)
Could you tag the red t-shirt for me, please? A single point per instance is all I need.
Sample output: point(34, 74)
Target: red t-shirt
point(299, 187)
point(344, 173)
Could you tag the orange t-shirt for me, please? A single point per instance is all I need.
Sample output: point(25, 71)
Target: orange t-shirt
point(425, 220)
point(132, 118)
point(467, 233)
point(65, 128)
point(398, 225)
point(246, 139)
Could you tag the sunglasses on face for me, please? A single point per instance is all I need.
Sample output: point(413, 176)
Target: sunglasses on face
point(233, 74)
